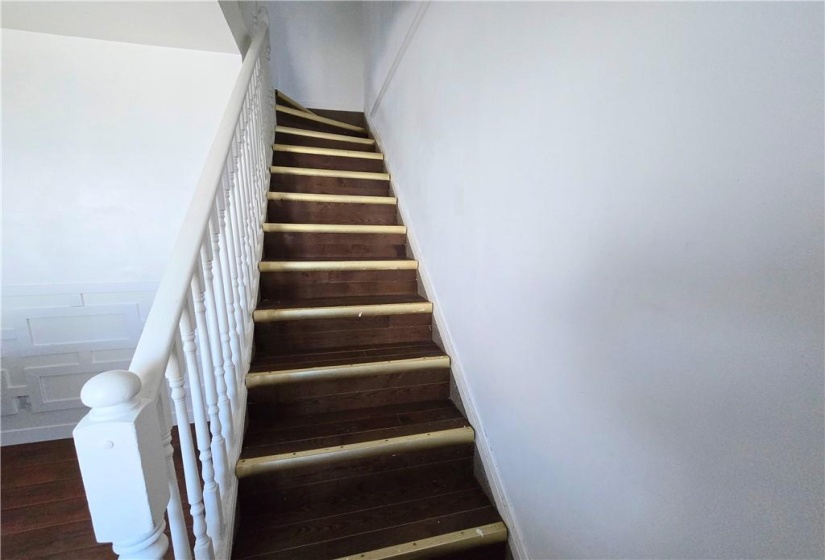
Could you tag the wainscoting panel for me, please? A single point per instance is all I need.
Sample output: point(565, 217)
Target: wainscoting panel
point(54, 339)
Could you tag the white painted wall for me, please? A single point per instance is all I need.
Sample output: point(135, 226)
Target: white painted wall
point(103, 143)
point(317, 53)
point(620, 210)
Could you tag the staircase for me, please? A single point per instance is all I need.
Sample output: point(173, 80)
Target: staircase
point(354, 447)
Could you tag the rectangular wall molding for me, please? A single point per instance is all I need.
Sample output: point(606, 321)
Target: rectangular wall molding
point(54, 339)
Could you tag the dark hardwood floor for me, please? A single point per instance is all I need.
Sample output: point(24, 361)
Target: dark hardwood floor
point(44, 512)
point(43, 509)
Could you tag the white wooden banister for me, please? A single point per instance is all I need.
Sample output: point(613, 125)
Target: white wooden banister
point(198, 339)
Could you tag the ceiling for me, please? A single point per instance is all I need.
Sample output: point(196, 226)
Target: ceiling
point(185, 25)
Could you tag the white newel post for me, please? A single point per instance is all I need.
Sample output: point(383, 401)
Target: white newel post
point(121, 434)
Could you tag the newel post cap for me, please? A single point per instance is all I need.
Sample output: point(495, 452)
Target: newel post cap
point(111, 393)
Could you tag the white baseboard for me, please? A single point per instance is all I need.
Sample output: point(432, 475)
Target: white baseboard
point(33, 435)
point(488, 461)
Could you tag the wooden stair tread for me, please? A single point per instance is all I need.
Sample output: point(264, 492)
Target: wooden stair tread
point(315, 121)
point(345, 356)
point(300, 259)
point(352, 117)
point(339, 301)
point(263, 417)
point(328, 185)
point(362, 491)
point(367, 425)
point(341, 161)
point(394, 524)
point(329, 532)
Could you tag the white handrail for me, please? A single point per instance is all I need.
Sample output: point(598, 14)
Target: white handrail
point(198, 330)
point(149, 360)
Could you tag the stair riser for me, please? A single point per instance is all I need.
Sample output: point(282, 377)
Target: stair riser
point(321, 326)
point(315, 161)
point(339, 358)
point(293, 336)
point(495, 551)
point(297, 212)
point(395, 513)
point(358, 493)
point(272, 289)
point(402, 439)
point(293, 121)
point(332, 389)
point(337, 339)
point(265, 429)
point(353, 546)
point(366, 399)
point(278, 481)
point(328, 185)
point(286, 246)
point(350, 117)
point(274, 279)
point(297, 140)
point(282, 456)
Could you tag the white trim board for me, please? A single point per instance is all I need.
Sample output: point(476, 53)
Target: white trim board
point(402, 50)
point(485, 451)
point(37, 434)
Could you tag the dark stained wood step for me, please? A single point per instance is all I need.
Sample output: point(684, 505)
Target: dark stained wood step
point(497, 551)
point(286, 393)
point(289, 336)
point(277, 481)
point(308, 327)
point(319, 442)
point(368, 425)
point(375, 535)
point(337, 277)
point(343, 526)
point(346, 355)
point(338, 301)
point(294, 121)
point(363, 399)
point(328, 185)
point(267, 418)
point(356, 118)
point(268, 344)
point(356, 493)
point(280, 286)
point(300, 140)
point(317, 161)
point(319, 246)
point(300, 212)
